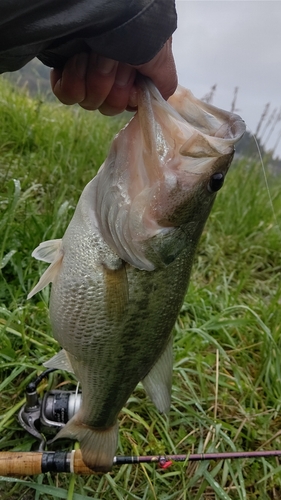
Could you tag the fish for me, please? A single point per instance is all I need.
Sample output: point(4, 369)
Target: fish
point(121, 271)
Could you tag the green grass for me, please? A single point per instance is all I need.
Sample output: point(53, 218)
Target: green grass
point(227, 370)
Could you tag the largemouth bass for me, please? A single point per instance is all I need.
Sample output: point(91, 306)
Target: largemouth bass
point(120, 273)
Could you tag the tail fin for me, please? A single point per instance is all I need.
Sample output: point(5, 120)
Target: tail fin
point(98, 446)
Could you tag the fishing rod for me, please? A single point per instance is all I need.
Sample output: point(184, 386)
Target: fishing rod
point(15, 463)
point(40, 416)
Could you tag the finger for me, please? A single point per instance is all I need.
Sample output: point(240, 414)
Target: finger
point(100, 78)
point(133, 99)
point(118, 98)
point(69, 84)
point(55, 76)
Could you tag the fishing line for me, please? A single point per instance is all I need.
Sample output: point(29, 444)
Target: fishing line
point(266, 183)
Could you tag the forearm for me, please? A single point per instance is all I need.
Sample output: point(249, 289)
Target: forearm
point(55, 30)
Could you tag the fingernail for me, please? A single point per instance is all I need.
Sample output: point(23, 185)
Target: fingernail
point(105, 65)
point(81, 64)
point(133, 98)
point(123, 75)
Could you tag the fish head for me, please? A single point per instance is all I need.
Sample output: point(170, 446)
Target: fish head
point(163, 172)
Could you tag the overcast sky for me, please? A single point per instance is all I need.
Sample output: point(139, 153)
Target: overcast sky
point(232, 43)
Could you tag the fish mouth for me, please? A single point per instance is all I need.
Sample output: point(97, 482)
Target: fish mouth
point(156, 163)
point(206, 118)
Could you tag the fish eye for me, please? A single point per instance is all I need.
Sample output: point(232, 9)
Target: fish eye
point(216, 182)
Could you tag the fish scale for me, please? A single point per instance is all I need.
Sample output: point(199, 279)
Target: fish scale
point(120, 273)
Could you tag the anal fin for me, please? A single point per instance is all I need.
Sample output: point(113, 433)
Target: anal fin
point(60, 361)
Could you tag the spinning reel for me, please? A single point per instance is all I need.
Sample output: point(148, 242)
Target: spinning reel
point(49, 414)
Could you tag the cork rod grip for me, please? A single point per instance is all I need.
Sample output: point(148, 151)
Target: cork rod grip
point(13, 463)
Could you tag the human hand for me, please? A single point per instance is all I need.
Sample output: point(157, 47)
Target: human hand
point(96, 82)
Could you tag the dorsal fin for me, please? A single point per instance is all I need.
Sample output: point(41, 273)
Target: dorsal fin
point(158, 381)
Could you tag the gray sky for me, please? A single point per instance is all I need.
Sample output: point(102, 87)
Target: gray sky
point(232, 43)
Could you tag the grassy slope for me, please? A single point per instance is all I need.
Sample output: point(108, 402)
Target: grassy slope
point(227, 375)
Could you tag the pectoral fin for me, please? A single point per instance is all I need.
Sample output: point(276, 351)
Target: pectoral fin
point(158, 382)
point(60, 361)
point(117, 293)
point(48, 251)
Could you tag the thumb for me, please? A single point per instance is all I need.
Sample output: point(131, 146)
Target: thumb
point(162, 70)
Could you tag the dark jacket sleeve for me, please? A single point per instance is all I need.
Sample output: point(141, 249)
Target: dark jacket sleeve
point(131, 31)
